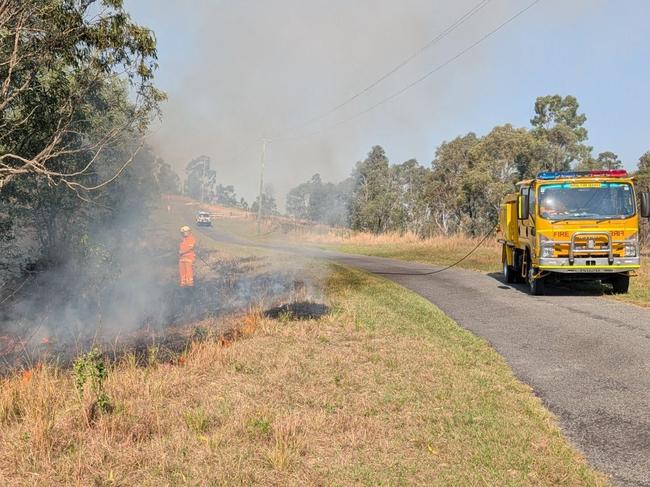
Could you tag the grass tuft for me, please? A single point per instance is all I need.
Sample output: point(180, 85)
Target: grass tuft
point(197, 420)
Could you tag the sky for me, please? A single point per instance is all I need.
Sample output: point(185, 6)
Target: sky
point(237, 71)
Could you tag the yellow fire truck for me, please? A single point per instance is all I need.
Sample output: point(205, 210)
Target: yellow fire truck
point(572, 225)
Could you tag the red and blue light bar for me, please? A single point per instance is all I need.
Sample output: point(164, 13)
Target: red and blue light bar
point(611, 173)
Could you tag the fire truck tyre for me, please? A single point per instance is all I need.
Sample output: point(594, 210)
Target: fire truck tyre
point(509, 273)
point(536, 286)
point(621, 283)
point(518, 277)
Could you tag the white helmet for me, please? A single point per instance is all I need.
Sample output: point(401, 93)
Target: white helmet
point(185, 228)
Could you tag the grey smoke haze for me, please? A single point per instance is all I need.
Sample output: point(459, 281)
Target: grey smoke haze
point(237, 70)
point(125, 291)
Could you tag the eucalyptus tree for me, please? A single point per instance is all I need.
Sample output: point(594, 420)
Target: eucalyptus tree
point(558, 123)
point(55, 57)
point(76, 97)
point(373, 195)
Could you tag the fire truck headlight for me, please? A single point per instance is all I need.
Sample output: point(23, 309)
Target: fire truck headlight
point(631, 245)
point(547, 251)
point(546, 247)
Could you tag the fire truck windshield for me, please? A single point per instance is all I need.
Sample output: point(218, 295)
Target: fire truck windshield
point(586, 201)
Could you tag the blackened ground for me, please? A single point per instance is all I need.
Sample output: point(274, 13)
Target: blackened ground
point(298, 311)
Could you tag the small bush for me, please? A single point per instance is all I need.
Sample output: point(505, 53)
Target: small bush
point(91, 368)
point(200, 334)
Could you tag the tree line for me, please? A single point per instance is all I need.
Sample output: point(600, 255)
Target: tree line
point(201, 184)
point(461, 190)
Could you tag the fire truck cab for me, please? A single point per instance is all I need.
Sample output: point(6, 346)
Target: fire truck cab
point(572, 225)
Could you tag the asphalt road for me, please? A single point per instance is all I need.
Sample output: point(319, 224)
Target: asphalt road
point(587, 357)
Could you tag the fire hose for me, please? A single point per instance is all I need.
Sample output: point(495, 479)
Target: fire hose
point(210, 266)
point(28, 278)
point(437, 271)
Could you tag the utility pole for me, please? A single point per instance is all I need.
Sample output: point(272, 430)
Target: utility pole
point(259, 201)
point(202, 178)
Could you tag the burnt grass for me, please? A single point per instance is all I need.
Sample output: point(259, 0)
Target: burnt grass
point(167, 330)
point(305, 310)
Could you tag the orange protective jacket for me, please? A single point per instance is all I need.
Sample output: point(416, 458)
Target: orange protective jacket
point(186, 249)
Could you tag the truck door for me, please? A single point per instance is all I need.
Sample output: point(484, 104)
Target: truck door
point(527, 227)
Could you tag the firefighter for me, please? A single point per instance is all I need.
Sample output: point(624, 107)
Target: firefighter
point(186, 258)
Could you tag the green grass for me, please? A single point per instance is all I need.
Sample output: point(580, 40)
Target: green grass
point(484, 259)
point(472, 414)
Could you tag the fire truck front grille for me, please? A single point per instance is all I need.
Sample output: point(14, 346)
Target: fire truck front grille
point(599, 250)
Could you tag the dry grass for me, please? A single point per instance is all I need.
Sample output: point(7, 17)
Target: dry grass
point(386, 391)
point(640, 286)
point(437, 250)
point(344, 236)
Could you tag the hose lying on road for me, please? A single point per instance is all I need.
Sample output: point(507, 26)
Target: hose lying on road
point(437, 271)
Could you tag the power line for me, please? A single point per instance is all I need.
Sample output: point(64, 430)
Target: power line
point(420, 79)
point(417, 81)
point(437, 68)
point(457, 23)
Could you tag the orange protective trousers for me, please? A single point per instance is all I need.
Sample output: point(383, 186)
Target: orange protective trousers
point(186, 273)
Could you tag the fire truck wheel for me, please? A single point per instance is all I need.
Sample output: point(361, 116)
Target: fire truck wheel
point(621, 283)
point(519, 279)
point(509, 272)
point(519, 259)
point(536, 286)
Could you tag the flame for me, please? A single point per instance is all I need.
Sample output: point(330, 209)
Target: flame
point(27, 376)
point(250, 322)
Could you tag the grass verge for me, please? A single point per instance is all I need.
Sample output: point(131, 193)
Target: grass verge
point(639, 287)
point(384, 391)
point(436, 251)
